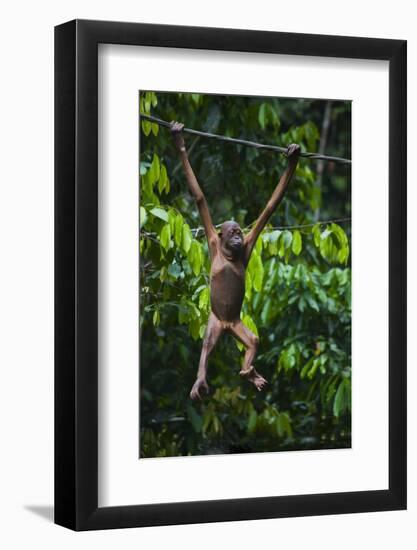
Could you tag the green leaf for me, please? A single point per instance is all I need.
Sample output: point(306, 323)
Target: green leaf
point(163, 179)
point(302, 304)
point(146, 187)
point(146, 127)
point(143, 216)
point(195, 257)
point(288, 358)
point(207, 418)
point(296, 242)
point(283, 425)
point(325, 234)
point(147, 102)
point(194, 311)
point(155, 168)
point(216, 425)
point(156, 317)
point(284, 242)
point(165, 236)
point(266, 310)
point(248, 285)
point(186, 237)
point(195, 419)
point(204, 298)
point(203, 327)
point(258, 245)
point(342, 399)
point(273, 238)
point(287, 238)
point(172, 218)
point(306, 368)
point(256, 271)
point(311, 301)
point(313, 370)
point(194, 328)
point(160, 213)
point(328, 248)
point(312, 135)
point(343, 242)
point(262, 115)
point(316, 234)
point(141, 106)
point(198, 290)
point(178, 229)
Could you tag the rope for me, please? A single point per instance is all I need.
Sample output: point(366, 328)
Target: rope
point(337, 220)
point(311, 156)
point(197, 230)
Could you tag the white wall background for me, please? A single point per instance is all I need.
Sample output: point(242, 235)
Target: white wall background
point(26, 274)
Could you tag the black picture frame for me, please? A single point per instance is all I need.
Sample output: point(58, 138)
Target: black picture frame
point(76, 271)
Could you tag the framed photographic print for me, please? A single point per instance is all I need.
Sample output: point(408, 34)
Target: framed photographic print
point(230, 275)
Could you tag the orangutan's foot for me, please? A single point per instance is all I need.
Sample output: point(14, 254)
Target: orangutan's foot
point(253, 376)
point(199, 385)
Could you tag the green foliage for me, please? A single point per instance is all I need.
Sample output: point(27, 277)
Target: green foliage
point(297, 288)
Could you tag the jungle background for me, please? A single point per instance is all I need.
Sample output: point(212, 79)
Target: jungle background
point(298, 283)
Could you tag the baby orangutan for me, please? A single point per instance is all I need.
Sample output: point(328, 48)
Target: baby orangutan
point(229, 252)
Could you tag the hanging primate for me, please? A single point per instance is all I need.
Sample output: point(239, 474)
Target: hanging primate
point(229, 252)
